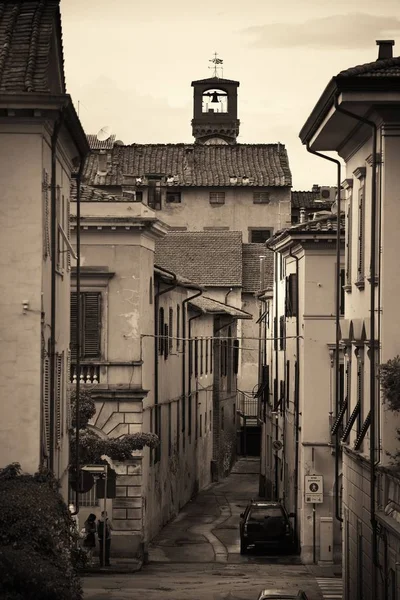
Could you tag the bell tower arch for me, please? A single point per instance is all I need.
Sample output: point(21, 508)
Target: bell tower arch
point(215, 111)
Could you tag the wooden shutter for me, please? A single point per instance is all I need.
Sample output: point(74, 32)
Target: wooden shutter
point(292, 308)
point(59, 397)
point(361, 220)
point(46, 405)
point(91, 324)
point(73, 325)
point(348, 244)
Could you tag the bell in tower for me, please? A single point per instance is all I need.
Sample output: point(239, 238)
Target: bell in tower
point(215, 108)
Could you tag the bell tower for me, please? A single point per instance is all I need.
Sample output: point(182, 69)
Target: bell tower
point(215, 109)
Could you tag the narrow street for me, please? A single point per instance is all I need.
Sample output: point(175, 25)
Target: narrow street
point(197, 555)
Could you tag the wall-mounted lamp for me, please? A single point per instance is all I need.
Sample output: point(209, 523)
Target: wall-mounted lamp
point(25, 306)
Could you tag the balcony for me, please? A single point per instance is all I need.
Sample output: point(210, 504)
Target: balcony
point(89, 373)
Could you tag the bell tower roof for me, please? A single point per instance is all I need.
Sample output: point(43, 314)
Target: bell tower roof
point(216, 81)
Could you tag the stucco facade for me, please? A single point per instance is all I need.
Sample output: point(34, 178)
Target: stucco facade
point(299, 417)
point(369, 330)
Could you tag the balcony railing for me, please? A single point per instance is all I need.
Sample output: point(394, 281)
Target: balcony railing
point(88, 374)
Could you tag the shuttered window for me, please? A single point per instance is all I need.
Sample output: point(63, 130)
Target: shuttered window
point(361, 234)
point(59, 397)
point(291, 308)
point(282, 339)
point(261, 198)
point(217, 197)
point(349, 243)
point(46, 405)
point(90, 325)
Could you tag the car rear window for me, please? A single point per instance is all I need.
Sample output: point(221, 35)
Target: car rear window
point(259, 513)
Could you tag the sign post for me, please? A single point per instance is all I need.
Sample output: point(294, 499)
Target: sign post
point(314, 489)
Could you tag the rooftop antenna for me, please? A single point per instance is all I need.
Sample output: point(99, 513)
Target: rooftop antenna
point(104, 133)
point(217, 61)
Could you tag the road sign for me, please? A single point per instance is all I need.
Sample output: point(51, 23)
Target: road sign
point(314, 489)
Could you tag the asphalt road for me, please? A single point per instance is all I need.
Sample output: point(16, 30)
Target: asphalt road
point(197, 555)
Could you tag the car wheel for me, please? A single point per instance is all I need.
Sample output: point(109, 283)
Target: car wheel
point(243, 547)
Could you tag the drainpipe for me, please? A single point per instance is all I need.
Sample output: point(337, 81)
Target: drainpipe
point(337, 324)
point(54, 139)
point(297, 406)
point(78, 178)
point(372, 383)
point(184, 302)
point(227, 294)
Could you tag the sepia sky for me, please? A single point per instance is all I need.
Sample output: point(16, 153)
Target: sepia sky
point(130, 63)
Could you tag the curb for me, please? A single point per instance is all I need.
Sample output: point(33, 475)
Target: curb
point(117, 568)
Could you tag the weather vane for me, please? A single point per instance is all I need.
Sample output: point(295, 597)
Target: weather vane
point(217, 62)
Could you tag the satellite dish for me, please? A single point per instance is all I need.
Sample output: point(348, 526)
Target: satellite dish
point(104, 133)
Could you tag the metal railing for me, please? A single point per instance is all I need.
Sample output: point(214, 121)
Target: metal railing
point(247, 405)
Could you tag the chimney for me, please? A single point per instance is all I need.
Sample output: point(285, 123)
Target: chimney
point(302, 215)
point(385, 49)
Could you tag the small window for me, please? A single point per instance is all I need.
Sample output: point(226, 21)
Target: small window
point(259, 236)
point(217, 197)
point(173, 197)
point(261, 198)
point(154, 194)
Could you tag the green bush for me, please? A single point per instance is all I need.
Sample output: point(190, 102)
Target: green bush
point(38, 540)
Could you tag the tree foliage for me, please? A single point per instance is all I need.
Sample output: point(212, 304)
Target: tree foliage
point(38, 550)
point(389, 375)
point(91, 447)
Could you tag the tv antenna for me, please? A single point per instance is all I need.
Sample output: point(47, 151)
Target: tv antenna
point(104, 133)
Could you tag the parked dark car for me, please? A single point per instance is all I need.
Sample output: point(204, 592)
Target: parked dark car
point(265, 524)
point(281, 595)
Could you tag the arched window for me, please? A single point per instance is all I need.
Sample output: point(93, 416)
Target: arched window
point(214, 101)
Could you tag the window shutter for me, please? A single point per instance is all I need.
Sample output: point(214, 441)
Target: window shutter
point(282, 341)
point(73, 325)
point(235, 356)
point(348, 245)
point(46, 405)
point(360, 265)
point(91, 324)
point(292, 296)
point(161, 331)
point(166, 338)
point(59, 394)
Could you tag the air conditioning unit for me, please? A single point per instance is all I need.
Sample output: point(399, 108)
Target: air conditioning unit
point(328, 193)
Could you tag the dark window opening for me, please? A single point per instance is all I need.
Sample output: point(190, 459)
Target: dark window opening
point(291, 308)
point(261, 198)
point(217, 197)
point(173, 197)
point(236, 356)
point(259, 236)
point(154, 194)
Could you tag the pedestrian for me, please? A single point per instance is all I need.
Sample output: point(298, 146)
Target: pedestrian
point(89, 542)
point(104, 528)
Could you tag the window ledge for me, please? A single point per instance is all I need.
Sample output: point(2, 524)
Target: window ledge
point(360, 284)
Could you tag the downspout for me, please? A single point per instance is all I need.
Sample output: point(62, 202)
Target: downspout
point(337, 327)
point(297, 406)
point(54, 139)
point(372, 383)
point(184, 302)
point(78, 178)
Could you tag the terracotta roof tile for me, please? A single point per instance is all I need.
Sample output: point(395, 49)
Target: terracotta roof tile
point(251, 267)
point(195, 165)
point(207, 258)
point(388, 67)
point(308, 200)
point(96, 144)
point(91, 194)
point(325, 224)
point(26, 34)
